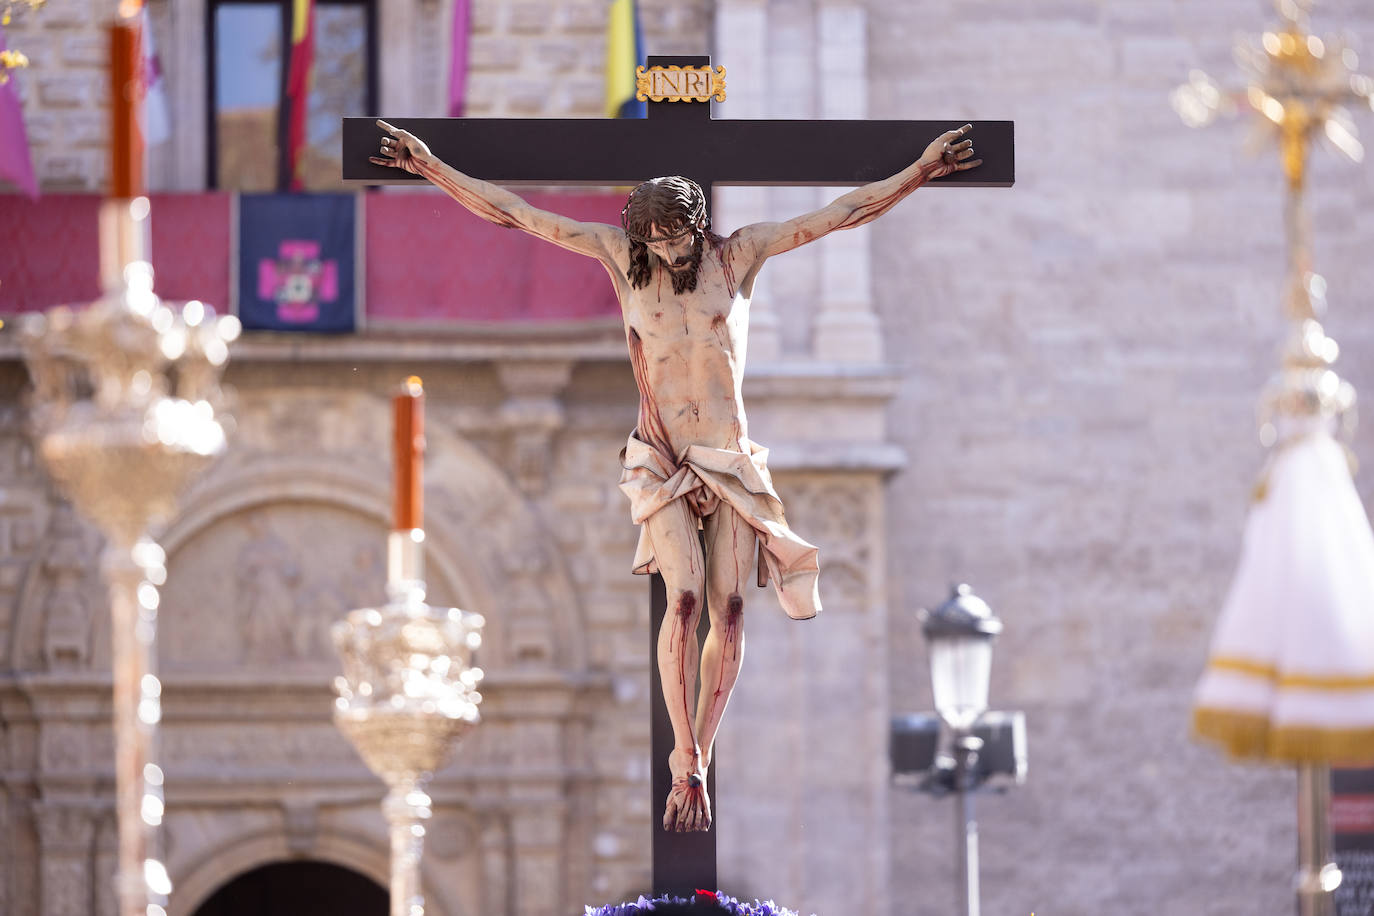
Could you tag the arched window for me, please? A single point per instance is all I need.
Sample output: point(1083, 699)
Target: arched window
point(247, 51)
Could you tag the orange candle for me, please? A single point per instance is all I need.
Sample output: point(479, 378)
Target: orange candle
point(126, 141)
point(408, 409)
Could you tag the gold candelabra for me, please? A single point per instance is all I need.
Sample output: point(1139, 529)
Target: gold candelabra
point(408, 690)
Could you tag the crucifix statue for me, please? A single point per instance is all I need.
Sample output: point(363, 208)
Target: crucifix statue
point(689, 464)
point(698, 486)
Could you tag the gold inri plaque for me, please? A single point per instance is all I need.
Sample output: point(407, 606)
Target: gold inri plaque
point(680, 84)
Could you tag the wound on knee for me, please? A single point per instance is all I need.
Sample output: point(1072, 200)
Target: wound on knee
point(734, 618)
point(686, 605)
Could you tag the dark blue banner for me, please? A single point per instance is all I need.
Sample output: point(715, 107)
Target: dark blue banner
point(296, 262)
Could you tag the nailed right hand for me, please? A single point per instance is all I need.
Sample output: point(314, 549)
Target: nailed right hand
point(400, 149)
point(950, 152)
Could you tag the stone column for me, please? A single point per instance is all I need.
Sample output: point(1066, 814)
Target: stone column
point(846, 329)
point(179, 164)
point(539, 829)
point(396, 84)
point(106, 865)
point(66, 831)
point(496, 865)
point(742, 48)
point(7, 828)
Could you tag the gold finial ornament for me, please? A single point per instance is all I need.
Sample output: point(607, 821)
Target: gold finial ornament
point(1299, 85)
point(1297, 82)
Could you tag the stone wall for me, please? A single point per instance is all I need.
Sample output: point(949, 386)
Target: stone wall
point(64, 92)
point(1082, 355)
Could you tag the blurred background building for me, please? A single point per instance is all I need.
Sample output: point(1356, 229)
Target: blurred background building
point(1047, 391)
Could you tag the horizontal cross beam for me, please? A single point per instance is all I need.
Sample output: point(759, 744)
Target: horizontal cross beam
point(610, 152)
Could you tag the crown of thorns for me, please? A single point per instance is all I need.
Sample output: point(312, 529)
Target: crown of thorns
point(696, 218)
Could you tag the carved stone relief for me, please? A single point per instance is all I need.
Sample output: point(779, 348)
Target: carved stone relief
point(260, 588)
point(107, 864)
point(301, 819)
point(67, 611)
point(64, 746)
point(66, 886)
point(837, 516)
point(533, 412)
point(333, 453)
point(496, 865)
point(49, 564)
point(18, 527)
point(66, 833)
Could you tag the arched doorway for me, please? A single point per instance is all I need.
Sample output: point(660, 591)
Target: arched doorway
point(297, 889)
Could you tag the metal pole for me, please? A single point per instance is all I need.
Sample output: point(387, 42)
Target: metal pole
point(406, 808)
point(1317, 877)
point(966, 749)
point(129, 661)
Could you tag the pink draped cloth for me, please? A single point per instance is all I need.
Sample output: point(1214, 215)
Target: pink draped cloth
point(743, 482)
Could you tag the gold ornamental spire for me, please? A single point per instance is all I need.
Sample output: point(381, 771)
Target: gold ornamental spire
point(1299, 86)
point(1294, 599)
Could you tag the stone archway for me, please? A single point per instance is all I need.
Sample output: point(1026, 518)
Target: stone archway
point(256, 772)
point(300, 888)
point(260, 568)
point(488, 549)
point(279, 542)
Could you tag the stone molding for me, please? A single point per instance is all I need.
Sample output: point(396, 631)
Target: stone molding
point(532, 413)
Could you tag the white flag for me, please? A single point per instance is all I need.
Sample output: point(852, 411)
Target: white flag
point(157, 125)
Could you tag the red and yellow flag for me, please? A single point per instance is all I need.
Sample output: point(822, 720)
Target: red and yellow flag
point(298, 86)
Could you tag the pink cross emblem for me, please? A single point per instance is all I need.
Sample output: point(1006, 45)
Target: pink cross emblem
point(298, 281)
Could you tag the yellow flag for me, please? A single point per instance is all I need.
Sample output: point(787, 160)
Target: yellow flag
point(622, 56)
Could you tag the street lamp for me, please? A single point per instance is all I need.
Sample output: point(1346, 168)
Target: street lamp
point(959, 635)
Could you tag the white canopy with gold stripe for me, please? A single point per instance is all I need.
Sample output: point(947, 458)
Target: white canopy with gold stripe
point(1290, 675)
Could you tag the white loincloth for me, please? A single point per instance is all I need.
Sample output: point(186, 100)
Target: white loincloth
point(743, 482)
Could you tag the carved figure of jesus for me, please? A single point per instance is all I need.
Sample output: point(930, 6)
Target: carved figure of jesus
point(691, 472)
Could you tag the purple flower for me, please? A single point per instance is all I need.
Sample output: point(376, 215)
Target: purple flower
point(704, 903)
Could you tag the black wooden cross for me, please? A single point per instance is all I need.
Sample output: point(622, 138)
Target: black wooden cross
point(678, 138)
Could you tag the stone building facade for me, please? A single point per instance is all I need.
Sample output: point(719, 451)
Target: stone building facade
point(1045, 391)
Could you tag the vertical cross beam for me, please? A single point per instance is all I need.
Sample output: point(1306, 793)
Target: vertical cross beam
point(682, 862)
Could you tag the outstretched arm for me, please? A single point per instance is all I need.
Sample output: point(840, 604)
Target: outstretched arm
point(947, 153)
point(403, 150)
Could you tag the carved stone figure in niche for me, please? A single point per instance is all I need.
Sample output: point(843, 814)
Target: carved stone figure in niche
point(689, 465)
point(66, 638)
point(287, 607)
point(268, 575)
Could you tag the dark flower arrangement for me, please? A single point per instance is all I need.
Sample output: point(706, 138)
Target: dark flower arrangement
point(703, 903)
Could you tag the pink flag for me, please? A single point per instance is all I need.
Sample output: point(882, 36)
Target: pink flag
point(15, 162)
point(458, 65)
point(157, 126)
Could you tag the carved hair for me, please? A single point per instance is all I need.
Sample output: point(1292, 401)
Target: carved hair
point(677, 206)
